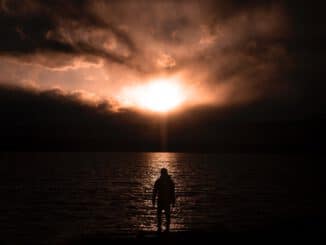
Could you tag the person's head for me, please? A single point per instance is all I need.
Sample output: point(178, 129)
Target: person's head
point(164, 172)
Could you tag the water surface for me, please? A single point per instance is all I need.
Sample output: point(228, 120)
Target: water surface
point(51, 197)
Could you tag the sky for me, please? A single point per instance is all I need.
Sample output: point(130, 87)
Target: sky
point(231, 60)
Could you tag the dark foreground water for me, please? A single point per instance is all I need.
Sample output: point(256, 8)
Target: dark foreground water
point(52, 197)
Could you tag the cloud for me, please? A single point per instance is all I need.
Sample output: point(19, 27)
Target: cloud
point(165, 61)
point(59, 27)
point(227, 52)
point(54, 120)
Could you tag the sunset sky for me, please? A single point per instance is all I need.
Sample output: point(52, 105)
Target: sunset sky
point(245, 59)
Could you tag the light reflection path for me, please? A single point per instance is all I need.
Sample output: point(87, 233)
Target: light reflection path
point(154, 163)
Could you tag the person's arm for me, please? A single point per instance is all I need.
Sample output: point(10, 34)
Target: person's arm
point(154, 193)
point(173, 194)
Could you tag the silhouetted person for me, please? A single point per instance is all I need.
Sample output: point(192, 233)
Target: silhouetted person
point(164, 190)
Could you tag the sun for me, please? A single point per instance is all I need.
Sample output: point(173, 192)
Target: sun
point(159, 95)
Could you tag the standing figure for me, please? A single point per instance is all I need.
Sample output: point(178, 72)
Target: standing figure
point(165, 192)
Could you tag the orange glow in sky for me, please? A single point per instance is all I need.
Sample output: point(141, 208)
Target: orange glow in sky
point(159, 95)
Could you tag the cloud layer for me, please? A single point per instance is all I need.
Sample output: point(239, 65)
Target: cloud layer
point(55, 121)
point(227, 52)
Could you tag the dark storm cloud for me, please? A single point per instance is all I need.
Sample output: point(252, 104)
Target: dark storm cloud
point(57, 120)
point(57, 27)
point(83, 27)
point(238, 52)
point(307, 45)
point(53, 120)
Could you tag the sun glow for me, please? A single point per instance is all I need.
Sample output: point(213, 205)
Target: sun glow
point(159, 95)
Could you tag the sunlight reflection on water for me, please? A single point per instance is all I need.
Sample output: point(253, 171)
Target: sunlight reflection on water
point(154, 162)
point(62, 195)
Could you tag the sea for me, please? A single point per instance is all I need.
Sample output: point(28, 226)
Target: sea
point(53, 197)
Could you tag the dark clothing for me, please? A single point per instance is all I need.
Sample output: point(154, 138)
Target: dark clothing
point(165, 191)
point(167, 216)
